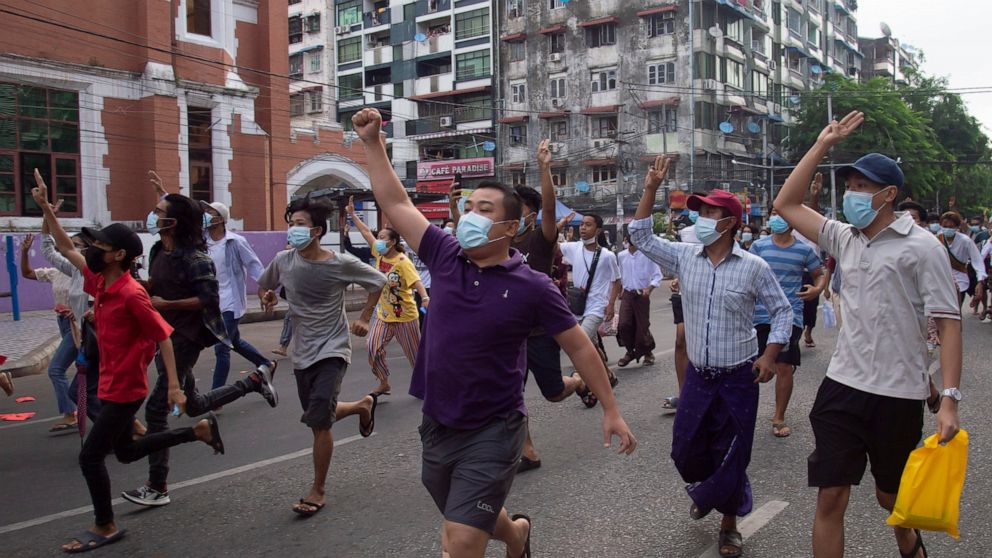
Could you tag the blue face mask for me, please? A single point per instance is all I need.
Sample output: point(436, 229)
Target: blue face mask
point(974, 229)
point(693, 216)
point(156, 225)
point(381, 247)
point(298, 237)
point(934, 228)
point(858, 209)
point(777, 224)
point(207, 220)
point(706, 230)
point(747, 237)
point(523, 224)
point(948, 233)
point(473, 231)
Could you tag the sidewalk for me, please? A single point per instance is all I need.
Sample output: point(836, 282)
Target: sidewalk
point(29, 343)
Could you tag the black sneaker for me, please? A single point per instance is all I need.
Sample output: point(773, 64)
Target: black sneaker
point(146, 496)
point(264, 381)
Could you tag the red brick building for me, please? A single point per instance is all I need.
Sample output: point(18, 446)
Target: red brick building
point(96, 93)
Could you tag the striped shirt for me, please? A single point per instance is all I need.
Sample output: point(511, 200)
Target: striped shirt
point(718, 300)
point(788, 265)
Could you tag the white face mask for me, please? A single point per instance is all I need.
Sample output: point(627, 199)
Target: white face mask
point(589, 241)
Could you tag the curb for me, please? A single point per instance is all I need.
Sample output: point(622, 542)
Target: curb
point(36, 361)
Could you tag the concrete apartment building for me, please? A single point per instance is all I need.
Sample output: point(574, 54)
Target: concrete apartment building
point(195, 89)
point(886, 57)
point(614, 83)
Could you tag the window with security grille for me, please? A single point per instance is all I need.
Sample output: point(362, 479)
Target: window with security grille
point(349, 50)
point(472, 65)
point(661, 24)
point(661, 73)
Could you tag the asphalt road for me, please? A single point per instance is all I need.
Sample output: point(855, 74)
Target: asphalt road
point(585, 500)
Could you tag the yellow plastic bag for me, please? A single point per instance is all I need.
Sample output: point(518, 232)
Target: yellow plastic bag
point(930, 489)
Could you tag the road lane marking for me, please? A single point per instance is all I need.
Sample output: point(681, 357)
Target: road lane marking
point(750, 525)
point(29, 422)
point(179, 485)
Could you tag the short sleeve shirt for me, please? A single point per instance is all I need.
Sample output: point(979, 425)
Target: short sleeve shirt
point(892, 284)
point(788, 264)
point(128, 329)
point(607, 271)
point(536, 250)
point(472, 358)
point(396, 303)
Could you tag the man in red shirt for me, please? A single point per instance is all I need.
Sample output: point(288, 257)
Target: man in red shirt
point(128, 330)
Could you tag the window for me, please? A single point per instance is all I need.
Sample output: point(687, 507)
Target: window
point(349, 13)
point(514, 8)
point(198, 17)
point(758, 42)
point(472, 24)
point(661, 73)
point(558, 130)
point(291, 2)
point(518, 92)
point(735, 30)
point(315, 98)
point(759, 84)
point(795, 62)
point(661, 24)
point(349, 50)
point(814, 6)
point(350, 87)
point(705, 116)
point(559, 177)
point(794, 22)
point(315, 62)
point(604, 80)
point(705, 67)
point(665, 120)
point(556, 42)
point(295, 30)
point(556, 4)
point(476, 108)
point(557, 87)
point(733, 73)
point(518, 51)
point(39, 128)
point(604, 173)
point(813, 35)
point(518, 135)
point(312, 23)
point(201, 157)
point(296, 102)
point(602, 35)
point(472, 65)
point(296, 66)
point(604, 127)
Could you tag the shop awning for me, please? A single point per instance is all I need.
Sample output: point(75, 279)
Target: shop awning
point(553, 29)
point(606, 109)
point(657, 10)
point(449, 93)
point(513, 119)
point(599, 21)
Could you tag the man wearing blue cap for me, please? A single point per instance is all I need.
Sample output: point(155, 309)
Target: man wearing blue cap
point(896, 275)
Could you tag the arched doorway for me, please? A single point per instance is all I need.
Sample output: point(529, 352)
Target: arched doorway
point(324, 171)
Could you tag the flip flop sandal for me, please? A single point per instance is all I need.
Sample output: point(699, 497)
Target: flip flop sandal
point(530, 530)
point(810, 344)
point(670, 403)
point(366, 432)
point(624, 360)
point(215, 440)
point(779, 430)
point(732, 539)
point(7, 383)
point(649, 360)
point(916, 548)
point(64, 426)
point(588, 398)
point(91, 541)
point(308, 513)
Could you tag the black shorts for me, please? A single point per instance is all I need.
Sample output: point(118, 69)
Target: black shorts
point(544, 361)
point(789, 354)
point(677, 309)
point(318, 386)
point(853, 427)
point(469, 473)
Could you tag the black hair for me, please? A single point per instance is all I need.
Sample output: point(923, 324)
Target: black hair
point(318, 210)
point(394, 236)
point(512, 204)
point(751, 228)
point(907, 205)
point(188, 232)
point(601, 237)
point(446, 221)
point(951, 216)
point(529, 196)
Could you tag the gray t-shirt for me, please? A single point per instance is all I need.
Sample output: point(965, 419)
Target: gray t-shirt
point(315, 292)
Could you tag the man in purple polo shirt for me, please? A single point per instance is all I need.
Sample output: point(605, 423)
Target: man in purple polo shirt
point(471, 363)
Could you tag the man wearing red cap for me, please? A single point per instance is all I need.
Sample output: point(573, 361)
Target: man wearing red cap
point(714, 422)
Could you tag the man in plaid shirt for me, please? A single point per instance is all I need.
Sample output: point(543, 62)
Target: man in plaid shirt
point(714, 423)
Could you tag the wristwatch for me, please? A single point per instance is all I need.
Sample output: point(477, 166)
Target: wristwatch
point(953, 393)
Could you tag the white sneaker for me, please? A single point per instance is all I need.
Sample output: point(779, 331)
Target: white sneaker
point(987, 320)
point(146, 496)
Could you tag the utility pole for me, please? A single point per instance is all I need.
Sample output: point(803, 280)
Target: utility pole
point(833, 171)
point(692, 99)
point(765, 158)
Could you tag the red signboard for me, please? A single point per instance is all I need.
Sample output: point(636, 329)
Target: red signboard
point(469, 168)
point(434, 210)
point(677, 199)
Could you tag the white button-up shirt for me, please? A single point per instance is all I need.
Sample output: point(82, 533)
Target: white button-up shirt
point(965, 251)
point(637, 272)
point(718, 300)
point(892, 284)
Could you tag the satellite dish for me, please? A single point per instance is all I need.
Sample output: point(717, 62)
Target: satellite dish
point(582, 186)
point(816, 69)
point(716, 32)
point(420, 37)
point(753, 127)
point(489, 146)
point(886, 30)
point(726, 127)
point(795, 99)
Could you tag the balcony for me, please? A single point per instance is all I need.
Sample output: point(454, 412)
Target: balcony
point(379, 55)
point(435, 44)
point(429, 7)
point(434, 84)
point(378, 93)
point(375, 19)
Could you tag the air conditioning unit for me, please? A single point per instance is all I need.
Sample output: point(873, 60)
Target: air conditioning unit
point(447, 122)
point(711, 84)
point(557, 103)
point(342, 29)
point(555, 57)
point(554, 147)
point(772, 65)
point(601, 143)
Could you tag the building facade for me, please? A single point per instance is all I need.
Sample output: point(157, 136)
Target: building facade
point(197, 90)
point(887, 58)
point(615, 83)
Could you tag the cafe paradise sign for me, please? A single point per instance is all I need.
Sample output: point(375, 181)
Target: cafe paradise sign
point(469, 168)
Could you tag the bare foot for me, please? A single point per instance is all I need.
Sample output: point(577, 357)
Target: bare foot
point(202, 431)
point(281, 351)
point(523, 531)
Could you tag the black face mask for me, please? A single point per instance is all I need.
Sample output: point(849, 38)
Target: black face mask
point(94, 259)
